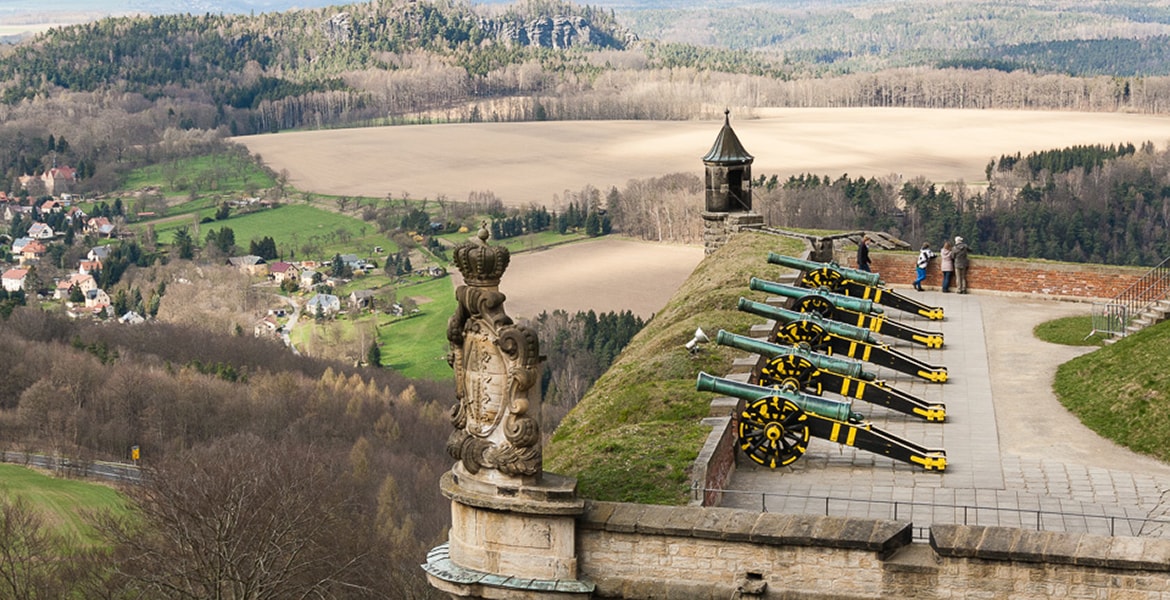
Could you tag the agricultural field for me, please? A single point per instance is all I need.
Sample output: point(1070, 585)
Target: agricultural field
point(525, 163)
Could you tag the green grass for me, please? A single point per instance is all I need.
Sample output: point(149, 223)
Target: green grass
point(62, 503)
point(636, 433)
point(292, 226)
point(1069, 331)
point(1122, 391)
point(213, 173)
point(416, 346)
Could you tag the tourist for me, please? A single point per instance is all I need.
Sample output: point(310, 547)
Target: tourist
point(863, 254)
point(947, 263)
point(961, 264)
point(924, 257)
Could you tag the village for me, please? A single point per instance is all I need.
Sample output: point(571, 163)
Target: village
point(54, 251)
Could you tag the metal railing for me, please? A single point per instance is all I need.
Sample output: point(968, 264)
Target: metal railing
point(1135, 299)
point(1038, 519)
point(1109, 319)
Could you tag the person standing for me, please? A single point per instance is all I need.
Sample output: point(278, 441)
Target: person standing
point(961, 264)
point(947, 264)
point(863, 254)
point(924, 257)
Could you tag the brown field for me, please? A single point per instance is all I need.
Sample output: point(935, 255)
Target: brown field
point(608, 274)
point(530, 162)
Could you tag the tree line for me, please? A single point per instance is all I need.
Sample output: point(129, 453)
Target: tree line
point(329, 470)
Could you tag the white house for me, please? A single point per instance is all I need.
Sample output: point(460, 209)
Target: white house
point(40, 231)
point(323, 304)
point(14, 279)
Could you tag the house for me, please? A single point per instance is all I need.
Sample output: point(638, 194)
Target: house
point(41, 231)
point(280, 271)
point(33, 251)
point(351, 260)
point(59, 179)
point(325, 305)
point(267, 327)
point(83, 281)
point(75, 214)
point(131, 318)
point(97, 298)
point(309, 278)
point(98, 253)
point(87, 267)
point(51, 206)
point(361, 299)
point(14, 279)
point(250, 264)
point(100, 226)
point(19, 244)
point(11, 211)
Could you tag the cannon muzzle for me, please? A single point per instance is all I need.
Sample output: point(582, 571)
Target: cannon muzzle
point(848, 368)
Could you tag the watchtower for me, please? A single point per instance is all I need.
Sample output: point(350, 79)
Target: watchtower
point(728, 188)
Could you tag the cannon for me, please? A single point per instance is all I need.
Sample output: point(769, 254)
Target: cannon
point(807, 370)
point(818, 333)
point(854, 283)
point(847, 309)
point(776, 424)
point(819, 300)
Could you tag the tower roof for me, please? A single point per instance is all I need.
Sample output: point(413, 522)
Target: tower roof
point(727, 150)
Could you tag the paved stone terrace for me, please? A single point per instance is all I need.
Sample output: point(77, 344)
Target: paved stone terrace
point(1012, 450)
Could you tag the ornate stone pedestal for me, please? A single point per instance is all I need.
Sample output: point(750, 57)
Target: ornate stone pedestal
point(513, 527)
point(509, 540)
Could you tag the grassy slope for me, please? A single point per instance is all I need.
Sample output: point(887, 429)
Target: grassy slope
point(62, 502)
point(1122, 391)
point(635, 434)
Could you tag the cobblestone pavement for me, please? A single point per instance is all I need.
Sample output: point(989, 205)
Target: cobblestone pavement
point(1015, 456)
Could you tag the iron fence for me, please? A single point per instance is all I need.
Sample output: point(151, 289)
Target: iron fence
point(1039, 519)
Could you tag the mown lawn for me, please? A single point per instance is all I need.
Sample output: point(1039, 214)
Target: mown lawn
point(63, 503)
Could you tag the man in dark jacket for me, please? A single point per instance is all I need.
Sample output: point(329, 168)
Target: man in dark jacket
point(961, 263)
point(863, 254)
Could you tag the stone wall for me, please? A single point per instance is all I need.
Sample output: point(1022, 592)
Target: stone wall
point(1038, 277)
point(634, 551)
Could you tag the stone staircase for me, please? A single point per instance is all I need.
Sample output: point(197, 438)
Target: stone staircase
point(1145, 303)
point(1154, 314)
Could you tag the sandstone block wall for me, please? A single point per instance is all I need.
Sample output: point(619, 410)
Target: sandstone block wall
point(634, 551)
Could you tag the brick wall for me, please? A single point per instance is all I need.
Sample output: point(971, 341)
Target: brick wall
point(634, 551)
point(1040, 277)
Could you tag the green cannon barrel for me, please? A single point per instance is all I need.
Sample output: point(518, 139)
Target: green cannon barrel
point(825, 407)
point(848, 368)
point(865, 277)
point(784, 315)
point(859, 305)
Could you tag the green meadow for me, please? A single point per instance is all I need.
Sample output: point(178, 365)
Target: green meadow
point(294, 227)
point(62, 503)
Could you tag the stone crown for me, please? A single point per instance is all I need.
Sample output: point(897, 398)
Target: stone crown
point(481, 265)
